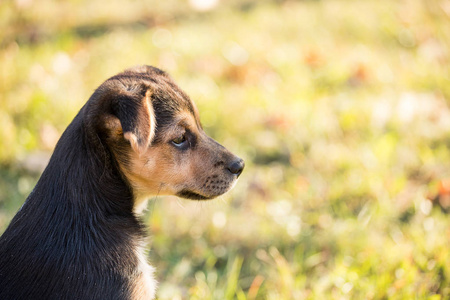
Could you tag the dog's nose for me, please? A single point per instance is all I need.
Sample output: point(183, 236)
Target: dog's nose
point(236, 167)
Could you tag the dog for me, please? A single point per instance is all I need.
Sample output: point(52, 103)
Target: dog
point(78, 234)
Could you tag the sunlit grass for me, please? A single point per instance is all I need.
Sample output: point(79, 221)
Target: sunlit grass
point(340, 109)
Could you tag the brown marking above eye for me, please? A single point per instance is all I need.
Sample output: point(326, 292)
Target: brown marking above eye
point(184, 122)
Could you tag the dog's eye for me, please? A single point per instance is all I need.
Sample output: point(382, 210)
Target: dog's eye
point(179, 141)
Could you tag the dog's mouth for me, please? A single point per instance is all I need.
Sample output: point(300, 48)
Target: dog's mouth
point(212, 188)
point(187, 194)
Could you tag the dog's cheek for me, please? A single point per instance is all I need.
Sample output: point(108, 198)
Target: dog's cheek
point(168, 166)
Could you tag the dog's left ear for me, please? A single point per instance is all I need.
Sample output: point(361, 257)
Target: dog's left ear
point(137, 119)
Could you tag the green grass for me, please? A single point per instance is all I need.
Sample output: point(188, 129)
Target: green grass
point(340, 109)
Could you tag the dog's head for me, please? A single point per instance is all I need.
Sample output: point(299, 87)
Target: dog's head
point(154, 132)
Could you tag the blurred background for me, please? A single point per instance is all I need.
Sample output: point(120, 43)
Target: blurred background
point(339, 107)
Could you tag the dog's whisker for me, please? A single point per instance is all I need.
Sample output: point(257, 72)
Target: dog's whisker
point(155, 199)
point(152, 205)
point(142, 168)
point(222, 199)
point(180, 204)
point(126, 144)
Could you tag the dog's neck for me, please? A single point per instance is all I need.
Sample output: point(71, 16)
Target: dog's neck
point(81, 177)
point(83, 212)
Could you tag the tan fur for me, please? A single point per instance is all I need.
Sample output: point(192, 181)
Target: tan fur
point(201, 171)
point(154, 172)
point(146, 128)
point(145, 284)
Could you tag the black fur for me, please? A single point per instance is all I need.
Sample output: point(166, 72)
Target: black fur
point(74, 236)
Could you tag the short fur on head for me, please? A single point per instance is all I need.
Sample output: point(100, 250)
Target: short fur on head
point(78, 235)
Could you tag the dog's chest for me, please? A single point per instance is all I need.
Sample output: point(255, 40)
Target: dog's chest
point(145, 283)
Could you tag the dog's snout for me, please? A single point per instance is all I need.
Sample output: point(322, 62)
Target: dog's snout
point(236, 166)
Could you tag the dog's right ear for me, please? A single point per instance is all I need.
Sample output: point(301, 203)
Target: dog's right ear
point(133, 116)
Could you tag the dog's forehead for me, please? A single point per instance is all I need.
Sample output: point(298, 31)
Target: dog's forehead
point(172, 96)
point(168, 99)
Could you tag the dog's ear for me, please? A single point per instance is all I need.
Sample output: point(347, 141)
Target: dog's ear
point(137, 119)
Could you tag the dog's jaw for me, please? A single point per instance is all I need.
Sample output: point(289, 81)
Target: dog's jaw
point(187, 194)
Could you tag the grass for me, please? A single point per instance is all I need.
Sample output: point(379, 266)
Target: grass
point(340, 109)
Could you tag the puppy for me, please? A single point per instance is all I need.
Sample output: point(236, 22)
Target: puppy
point(78, 235)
